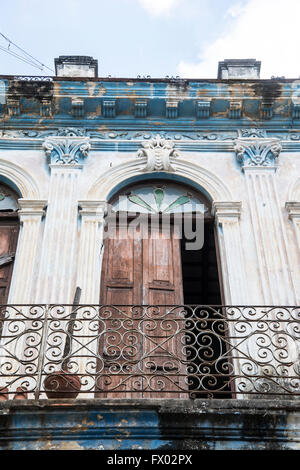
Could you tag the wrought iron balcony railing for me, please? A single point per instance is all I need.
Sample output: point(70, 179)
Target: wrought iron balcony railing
point(87, 351)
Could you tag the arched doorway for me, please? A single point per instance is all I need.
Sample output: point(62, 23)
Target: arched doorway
point(159, 256)
point(9, 230)
point(160, 264)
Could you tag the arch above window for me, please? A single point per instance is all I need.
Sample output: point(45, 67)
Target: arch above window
point(8, 199)
point(160, 197)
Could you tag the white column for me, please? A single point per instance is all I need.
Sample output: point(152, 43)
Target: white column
point(293, 209)
point(231, 252)
point(30, 215)
point(258, 160)
point(57, 275)
point(90, 250)
point(270, 354)
point(19, 333)
point(270, 236)
point(88, 279)
point(234, 283)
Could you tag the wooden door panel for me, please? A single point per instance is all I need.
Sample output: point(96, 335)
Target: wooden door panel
point(140, 271)
point(121, 270)
point(162, 275)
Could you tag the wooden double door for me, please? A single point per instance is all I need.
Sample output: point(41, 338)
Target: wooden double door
point(142, 271)
point(142, 345)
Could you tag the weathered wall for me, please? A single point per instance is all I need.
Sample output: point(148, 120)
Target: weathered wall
point(150, 424)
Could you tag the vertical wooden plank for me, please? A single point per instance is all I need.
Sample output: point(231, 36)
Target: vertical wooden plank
point(121, 285)
point(162, 278)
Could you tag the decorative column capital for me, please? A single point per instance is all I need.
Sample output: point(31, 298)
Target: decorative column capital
point(31, 207)
point(293, 209)
point(257, 152)
point(158, 152)
point(66, 151)
point(227, 210)
point(97, 209)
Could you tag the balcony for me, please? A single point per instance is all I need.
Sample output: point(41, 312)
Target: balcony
point(184, 352)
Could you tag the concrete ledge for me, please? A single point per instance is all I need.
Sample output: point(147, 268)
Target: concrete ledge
point(175, 405)
point(150, 424)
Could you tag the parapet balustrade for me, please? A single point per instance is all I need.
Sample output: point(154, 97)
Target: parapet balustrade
point(105, 351)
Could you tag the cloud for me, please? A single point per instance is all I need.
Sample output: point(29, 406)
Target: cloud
point(158, 7)
point(267, 30)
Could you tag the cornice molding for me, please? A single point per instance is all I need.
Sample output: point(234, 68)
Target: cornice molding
point(131, 140)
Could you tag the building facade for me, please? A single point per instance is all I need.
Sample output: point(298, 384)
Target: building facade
point(118, 331)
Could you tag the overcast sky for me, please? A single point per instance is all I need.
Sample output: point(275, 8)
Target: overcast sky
point(154, 37)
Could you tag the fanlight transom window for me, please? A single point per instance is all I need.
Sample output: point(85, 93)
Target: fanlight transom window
point(159, 198)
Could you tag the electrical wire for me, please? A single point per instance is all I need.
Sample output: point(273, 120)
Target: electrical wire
point(20, 58)
point(29, 59)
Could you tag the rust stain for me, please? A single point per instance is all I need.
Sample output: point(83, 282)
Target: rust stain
point(63, 445)
point(83, 426)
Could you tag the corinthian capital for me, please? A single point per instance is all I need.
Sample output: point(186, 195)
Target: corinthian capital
point(256, 152)
point(66, 151)
point(158, 152)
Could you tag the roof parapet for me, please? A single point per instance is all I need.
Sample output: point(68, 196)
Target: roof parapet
point(239, 69)
point(76, 66)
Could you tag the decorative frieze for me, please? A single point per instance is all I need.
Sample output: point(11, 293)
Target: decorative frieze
point(158, 152)
point(140, 108)
point(253, 152)
point(109, 108)
point(235, 110)
point(203, 109)
point(252, 132)
point(77, 108)
point(66, 151)
point(171, 109)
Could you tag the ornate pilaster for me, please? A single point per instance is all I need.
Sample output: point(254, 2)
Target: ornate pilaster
point(159, 153)
point(258, 157)
point(56, 281)
point(30, 214)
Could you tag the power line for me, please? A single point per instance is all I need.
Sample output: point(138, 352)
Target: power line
point(29, 59)
point(20, 58)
